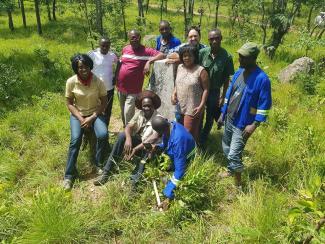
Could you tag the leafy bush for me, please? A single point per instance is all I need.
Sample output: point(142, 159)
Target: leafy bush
point(9, 86)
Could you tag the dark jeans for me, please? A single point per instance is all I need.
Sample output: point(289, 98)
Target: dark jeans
point(118, 148)
point(108, 110)
point(77, 132)
point(212, 113)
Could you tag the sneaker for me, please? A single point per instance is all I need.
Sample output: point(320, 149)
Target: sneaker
point(67, 184)
point(101, 180)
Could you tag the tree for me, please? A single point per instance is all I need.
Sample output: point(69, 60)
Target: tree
point(38, 17)
point(54, 9)
point(281, 19)
point(188, 9)
point(217, 13)
point(8, 6)
point(99, 16)
point(48, 8)
point(22, 8)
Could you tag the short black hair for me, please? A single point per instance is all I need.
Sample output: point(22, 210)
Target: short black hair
point(164, 22)
point(194, 27)
point(192, 50)
point(104, 38)
point(84, 58)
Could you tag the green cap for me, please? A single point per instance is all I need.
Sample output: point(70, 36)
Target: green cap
point(249, 49)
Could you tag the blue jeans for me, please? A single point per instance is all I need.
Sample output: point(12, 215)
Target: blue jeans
point(100, 128)
point(233, 145)
point(212, 113)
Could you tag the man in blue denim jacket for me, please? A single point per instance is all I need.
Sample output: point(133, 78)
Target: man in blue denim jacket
point(247, 104)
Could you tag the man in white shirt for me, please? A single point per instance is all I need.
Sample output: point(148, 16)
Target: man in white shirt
point(104, 62)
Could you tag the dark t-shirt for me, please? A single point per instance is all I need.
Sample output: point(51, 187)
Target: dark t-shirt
point(219, 68)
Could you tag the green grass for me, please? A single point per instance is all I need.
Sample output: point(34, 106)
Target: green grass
point(281, 158)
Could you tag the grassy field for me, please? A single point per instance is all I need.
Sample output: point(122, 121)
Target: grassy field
point(283, 194)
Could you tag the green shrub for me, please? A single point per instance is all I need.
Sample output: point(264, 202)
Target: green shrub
point(9, 86)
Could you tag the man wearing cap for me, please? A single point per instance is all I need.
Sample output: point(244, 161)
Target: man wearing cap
point(137, 131)
point(219, 65)
point(247, 104)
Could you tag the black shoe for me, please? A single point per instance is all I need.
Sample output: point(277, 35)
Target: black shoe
point(101, 180)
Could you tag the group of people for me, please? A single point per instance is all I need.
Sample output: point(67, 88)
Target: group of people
point(202, 89)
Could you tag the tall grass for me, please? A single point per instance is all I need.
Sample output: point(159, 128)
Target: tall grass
point(280, 158)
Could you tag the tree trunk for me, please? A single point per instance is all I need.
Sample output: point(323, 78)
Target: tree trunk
point(161, 9)
point(124, 25)
point(54, 9)
point(11, 23)
point(48, 8)
point(147, 7)
point(309, 17)
point(185, 16)
point(217, 13)
point(99, 16)
point(22, 7)
point(38, 17)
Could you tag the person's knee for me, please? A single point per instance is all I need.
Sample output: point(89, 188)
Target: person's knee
point(102, 135)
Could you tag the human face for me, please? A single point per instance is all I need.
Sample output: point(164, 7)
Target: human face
point(188, 59)
point(164, 30)
point(215, 40)
point(147, 107)
point(246, 62)
point(193, 37)
point(134, 39)
point(83, 70)
point(104, 46)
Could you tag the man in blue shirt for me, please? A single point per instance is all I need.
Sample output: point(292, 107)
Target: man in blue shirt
point(166, 40)
point(247, 104)
point(179, 145)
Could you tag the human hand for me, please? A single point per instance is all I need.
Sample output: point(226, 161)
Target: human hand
point(249, 130)
point(164, 204)
point(128, 146)
point(174, 99)
point(130, 156)
point(146, 69)
point(171, 61)
point(220, 123)
point(221, 101)
point(87, 122)
point(198, 111)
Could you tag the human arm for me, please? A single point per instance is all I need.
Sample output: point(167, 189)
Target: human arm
point(151, 60)
point(180, 167)
point(73, 110)
point(264, 104)
point(100, 109)
point(128, 138)
point(174, 99)
point(204, 81)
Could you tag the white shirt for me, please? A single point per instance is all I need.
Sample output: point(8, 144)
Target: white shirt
point(103, 66)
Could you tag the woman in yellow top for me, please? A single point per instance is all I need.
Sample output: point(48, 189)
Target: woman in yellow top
point(86, 101)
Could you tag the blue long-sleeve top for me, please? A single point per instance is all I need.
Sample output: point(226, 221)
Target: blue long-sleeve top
point(256, 100)
point(180, 146)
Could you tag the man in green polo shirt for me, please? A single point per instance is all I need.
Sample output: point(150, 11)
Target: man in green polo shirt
point(219, 65)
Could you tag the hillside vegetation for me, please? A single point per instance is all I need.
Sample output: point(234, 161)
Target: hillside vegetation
point(284, 191)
